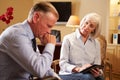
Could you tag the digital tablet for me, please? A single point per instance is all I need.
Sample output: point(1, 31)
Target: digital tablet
point(87, 70)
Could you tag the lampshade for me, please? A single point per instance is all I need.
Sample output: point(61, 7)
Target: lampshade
point(118, 2)
point(73, 21)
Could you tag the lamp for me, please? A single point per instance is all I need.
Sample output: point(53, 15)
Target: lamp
point(118, 2)
point(73, 21)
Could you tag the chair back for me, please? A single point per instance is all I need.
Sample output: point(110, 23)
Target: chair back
point(103, 46)
point(105, 62)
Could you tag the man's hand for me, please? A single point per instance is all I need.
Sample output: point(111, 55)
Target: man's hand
point(48, 38)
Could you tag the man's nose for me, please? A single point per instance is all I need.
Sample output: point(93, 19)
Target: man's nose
point(49, 31)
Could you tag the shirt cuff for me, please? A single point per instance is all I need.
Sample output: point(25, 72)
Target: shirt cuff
point(49, 47)
point(69, 68)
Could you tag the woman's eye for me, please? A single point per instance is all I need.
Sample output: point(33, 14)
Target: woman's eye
point(86, 22)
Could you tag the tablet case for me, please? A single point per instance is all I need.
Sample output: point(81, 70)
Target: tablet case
point(87, 70)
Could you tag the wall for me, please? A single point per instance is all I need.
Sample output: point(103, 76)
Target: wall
point(75, 5)
point(82, 7)
point(21, 8)
point(99, 6)
point(79, 8)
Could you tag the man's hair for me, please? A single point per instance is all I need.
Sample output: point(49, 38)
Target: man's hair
point(43, 7)
point(97, 19)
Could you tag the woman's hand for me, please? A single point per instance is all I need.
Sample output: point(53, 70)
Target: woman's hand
point(96, 72)
point(78, 69)
point(85, 66)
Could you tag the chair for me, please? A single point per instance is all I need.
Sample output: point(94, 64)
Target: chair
point(105, 62)
point(55, 65)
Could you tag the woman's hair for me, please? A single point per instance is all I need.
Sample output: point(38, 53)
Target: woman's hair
point(97, 19)
point(43, 7)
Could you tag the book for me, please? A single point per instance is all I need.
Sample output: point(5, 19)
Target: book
point(87, 70)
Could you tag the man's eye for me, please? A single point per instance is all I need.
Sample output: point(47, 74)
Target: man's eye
point(49, 26)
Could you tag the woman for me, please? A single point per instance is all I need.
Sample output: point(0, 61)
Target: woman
point(80, 50)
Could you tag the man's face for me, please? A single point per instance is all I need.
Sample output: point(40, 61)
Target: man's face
point(44, 25)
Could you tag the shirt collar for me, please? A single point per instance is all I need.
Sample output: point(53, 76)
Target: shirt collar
point(28, 29)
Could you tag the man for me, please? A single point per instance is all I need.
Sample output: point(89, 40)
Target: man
point(18, 55)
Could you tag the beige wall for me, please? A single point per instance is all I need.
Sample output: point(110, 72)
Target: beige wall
point(99, 6)
point(21, 8)
point(82, 7)
point(79, 8)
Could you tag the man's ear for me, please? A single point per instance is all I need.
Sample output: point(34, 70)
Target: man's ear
point(36, 17)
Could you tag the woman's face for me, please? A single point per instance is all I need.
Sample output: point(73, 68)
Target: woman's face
point(44, 25)
point(87, 27)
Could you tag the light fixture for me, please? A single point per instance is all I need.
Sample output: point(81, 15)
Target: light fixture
point(73, 21)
